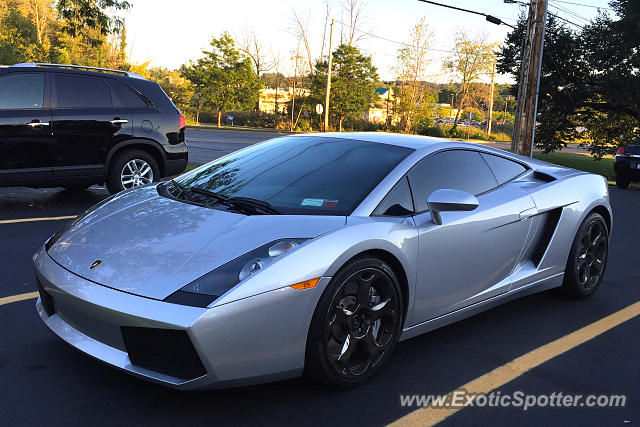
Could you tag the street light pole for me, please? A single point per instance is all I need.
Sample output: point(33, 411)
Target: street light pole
point(326, 97)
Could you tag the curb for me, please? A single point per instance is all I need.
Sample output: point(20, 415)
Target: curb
point(241, 129)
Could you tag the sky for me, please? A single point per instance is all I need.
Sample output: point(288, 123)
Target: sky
point(170, 33)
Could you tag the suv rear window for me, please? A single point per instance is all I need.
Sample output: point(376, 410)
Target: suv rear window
point(125, 97)
point(81, 92)
point(21, 91)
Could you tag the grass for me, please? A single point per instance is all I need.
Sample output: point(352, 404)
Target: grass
point(581, 162)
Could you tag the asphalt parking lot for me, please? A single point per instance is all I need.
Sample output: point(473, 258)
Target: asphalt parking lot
point(46, 381)
point(208, 144)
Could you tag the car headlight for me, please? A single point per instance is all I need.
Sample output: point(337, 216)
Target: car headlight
point(207, 288)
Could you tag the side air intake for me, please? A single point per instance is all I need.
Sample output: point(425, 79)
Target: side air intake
point(545, 233)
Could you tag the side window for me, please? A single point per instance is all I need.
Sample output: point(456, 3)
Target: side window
point(81, 92)
point(21, 91)
point(397, 202)
point(125, 97)
point(455, 169)
point(503, 169)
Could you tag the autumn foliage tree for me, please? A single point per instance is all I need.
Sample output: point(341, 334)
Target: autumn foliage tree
point(472, 57)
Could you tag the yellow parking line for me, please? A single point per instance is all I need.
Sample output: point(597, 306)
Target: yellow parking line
point(50, 218)
point(517, 367)
point(16, 298)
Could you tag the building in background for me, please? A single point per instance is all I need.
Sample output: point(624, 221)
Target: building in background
point(267, 100)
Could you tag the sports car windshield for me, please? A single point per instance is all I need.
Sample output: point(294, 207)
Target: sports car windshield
point(299, 175)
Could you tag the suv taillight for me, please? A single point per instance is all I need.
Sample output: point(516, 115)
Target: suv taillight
point(183, 123)
point(620, 151)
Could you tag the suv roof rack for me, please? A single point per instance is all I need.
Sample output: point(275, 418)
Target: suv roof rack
point(79, 67)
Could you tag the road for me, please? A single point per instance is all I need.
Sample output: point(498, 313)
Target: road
point(44, 381)
point(208, 144)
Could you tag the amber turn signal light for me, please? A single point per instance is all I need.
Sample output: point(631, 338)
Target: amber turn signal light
point(307, 284)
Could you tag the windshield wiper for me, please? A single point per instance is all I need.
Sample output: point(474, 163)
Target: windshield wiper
point(251, 203)
point(218, 196)
point(183, 190)
point(245, 204)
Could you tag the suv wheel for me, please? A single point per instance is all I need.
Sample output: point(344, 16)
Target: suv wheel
point(132, 169)
point(622, 183)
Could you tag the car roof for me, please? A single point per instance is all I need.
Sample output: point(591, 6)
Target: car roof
point(415, 142)
point(73, 69)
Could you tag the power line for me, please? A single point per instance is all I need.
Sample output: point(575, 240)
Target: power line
point(571, 13)
point(565, 20)
point(582, 4)
point(490, 18)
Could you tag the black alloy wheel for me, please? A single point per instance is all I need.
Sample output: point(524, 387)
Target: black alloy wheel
point(356, 325)
point(588, 258)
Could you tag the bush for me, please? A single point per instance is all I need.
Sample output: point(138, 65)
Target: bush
point(303, 126)
point(423, 125)
point(361, 125)
point(436, 131)
point(500, 136)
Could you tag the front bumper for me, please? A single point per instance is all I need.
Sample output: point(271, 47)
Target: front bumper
point(257, 339)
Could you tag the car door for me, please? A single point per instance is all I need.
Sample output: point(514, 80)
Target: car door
point(26, 142)
point(86, 124)
point(470, 256)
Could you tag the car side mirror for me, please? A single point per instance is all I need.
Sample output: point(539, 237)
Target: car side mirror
point(450, 200)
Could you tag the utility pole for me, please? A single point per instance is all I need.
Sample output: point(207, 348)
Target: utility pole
point(490, 116)
point(326, 97)
point(293, 93)
point(522, 141)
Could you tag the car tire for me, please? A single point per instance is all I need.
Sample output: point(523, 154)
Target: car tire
point(588, 258)
point(622, 183)
point(125, 165)
point(356, 324)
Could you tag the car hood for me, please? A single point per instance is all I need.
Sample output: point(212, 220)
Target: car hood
point(152, 246)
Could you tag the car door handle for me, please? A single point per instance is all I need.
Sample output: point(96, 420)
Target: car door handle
point(119, 121)
point(36, 124)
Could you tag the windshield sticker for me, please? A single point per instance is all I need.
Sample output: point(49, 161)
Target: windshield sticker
point(330, 203)
point(312, 202)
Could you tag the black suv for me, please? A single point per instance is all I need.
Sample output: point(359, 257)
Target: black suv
point(627, 165)
point(71, 126)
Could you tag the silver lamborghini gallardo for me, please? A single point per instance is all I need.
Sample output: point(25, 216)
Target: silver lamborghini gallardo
point(315, 254)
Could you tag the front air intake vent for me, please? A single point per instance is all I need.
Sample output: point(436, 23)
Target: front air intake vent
point(167, 351)
point(45, 299)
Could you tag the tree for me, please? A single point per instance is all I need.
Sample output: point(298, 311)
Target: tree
point(18, 42)
point(563, 75)
point(224, 79)
point(300, 30)
point(411, 69)
point(78, 16)
point(590, 86)
point(27, 28)
point(352, 83)
point(253, 48)
point(472, 57)
point(355, 11)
